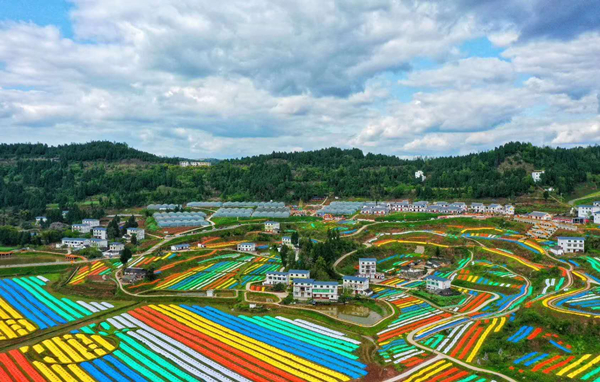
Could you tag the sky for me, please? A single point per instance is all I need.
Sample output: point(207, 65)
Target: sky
point(206, 79)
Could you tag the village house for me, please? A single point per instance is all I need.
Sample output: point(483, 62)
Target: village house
point(367, 267)
point(273, 278)
point(587, 211)
point(271, 226)
point(180, 247)
point(597, 218)
point(91, 222)
point(246, 247)
point(411, 272)
point(420, 206)
point(509, 209)
point(537, 215)
point(131, 275)
point(116, 246)
point(357, 285)
point(461, 205)
point(286, 240)
point(140, 234)
point(436, 284)
point(298, 274)
point(98, 243)
point(40, 219)
point(99, 233)
point(478, 208)
point(375, 210)
point(81, 228)
point(420, 175)
point(307, 289)
point(571, 244)
point(73, 243)
point(537, 175)
point(495, 209)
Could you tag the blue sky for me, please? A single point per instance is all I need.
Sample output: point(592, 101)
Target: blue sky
point(200, 79)
point(40, 12)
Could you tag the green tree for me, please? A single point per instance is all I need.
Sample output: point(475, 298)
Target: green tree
point(126, 255)
point(151, 273)
point(91, 253)
point(295, 238)
point(546, 195)
point(134, 239)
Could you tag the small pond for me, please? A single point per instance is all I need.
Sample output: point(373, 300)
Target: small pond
point(354, 313)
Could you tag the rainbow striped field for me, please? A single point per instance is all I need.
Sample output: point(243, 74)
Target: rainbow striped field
point(25, 306)
point(176, 343)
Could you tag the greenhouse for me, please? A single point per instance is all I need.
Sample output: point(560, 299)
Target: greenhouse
point(204, 204)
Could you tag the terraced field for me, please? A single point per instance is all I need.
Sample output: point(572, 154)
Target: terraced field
point(189, 343)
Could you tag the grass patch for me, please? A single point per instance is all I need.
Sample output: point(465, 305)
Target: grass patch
point(437, 299)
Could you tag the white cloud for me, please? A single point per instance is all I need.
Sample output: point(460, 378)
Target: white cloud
point(245, 77)
point(464, 73)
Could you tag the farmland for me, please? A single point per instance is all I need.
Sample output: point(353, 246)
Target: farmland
point(200, 310)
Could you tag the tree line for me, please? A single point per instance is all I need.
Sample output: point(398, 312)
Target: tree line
point(34, 175)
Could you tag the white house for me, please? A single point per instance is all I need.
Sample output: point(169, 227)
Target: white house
point(358, 285)
point(420, 206)
point(509, 210)
point(367, 266)
point(285, 277)
point(299, 274)
point(420, 175)
point(273, 278)
point(597, 218)
point(286, 240)
point(82, 228)
point(70, 242)
point(375, 210)
point(306, 289)
point(271, 226)
point(571, 244)
point(40, 219)
point(495, 208)
point(587, 211)
point(115, 246)
point(99, 232)
point(537, 175)
point(140, 233)
point(478, 208)
point(246, 247)
point(461, 205)
point(537, 215)
point(98, 243)
point(91, 222)
point(180, 247)
point(435, 283)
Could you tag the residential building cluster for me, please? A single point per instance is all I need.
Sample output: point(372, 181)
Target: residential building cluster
point(440, 207)
point(194, 164)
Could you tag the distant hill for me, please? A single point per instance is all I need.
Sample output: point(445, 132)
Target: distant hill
point(79, 152)
point(34, 175)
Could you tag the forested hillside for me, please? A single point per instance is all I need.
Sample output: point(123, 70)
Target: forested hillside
point(92, 151)
point(118, 176)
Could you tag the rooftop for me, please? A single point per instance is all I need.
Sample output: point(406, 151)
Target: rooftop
point(437, 278)
point(306, 281)
point(571, 238)
point(367, 259)
point(355, 278)
point(326, 283)
point(303, 272)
